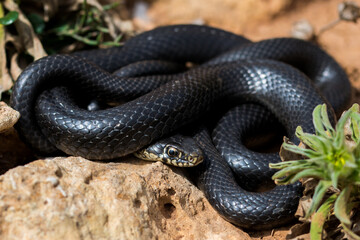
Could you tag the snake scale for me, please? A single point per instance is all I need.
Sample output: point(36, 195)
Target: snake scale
point(151, 74)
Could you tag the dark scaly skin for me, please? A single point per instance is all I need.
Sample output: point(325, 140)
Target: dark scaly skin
point(177, 43)
point(149, 67)
point(168, 107)
point(51, 71)
point(119, 131)
point(251, 210)
point(322, 69)
point(58, 113)
point(326, 74)
point(229, 135)
point(170, 43)
point(184, 97)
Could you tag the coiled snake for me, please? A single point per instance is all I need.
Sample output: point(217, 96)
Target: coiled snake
point(52, 93)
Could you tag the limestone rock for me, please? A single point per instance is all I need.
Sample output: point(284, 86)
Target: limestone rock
point(73, 198)
point(13, 152)
point(8, 117)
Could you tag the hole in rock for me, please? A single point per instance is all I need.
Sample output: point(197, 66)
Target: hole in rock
point(168, 210)
point(137, 203)
point(171, 191)
point(88, 179)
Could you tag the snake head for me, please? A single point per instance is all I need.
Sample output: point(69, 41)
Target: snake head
point(178, 150)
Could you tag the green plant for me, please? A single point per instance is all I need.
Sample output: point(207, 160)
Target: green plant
point(9, 18)
point(336, 164)
point(87, 26)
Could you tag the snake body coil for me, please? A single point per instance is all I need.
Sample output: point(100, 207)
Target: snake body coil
point(51, 92)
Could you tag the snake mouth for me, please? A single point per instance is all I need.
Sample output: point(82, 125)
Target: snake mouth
point(190, 161)
point(195, 159)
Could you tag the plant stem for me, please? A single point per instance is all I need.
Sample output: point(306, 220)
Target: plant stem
point(328, 26)
point(84, 16)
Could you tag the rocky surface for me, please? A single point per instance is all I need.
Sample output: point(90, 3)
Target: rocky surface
point(8, 117)
point(12, 151)
point(73, 198)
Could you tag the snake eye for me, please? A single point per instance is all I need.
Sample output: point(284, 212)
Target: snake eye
point(172, 152)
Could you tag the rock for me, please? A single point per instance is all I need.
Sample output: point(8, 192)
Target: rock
point(8, 117)
point(12, 151)
point(73, 198)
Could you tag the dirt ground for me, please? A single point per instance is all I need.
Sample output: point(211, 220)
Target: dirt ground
point(270, 18)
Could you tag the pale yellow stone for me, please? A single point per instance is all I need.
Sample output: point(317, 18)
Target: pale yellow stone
point(8, 116)
point(73, 198)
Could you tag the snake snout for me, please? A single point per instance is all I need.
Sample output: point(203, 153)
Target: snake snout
point(195, 158)
point(178, 150)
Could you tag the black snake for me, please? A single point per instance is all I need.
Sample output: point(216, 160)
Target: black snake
point(52, 93)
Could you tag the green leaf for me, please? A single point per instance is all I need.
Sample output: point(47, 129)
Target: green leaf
point(111, 44)
point(335, 178)
point(315, 173)
point(319, 218)
point(280, 174)
point(349, 232)
point(356, 118)
point(284, 180)
point(83, 39)
point(102, 29)
point(356, 152)
point(9, 18)
point(355, 108)
point(317, 143)
point(340, 135)
point(341, 204)
point(326, 121)
point(310, 162)
point(99, 37)
point(37, 22)
point(282, 165)
point(61, 29)
point(301, 151)
point(290, 170)
point(118, 38)
point(319, 193)
point(110, 6)
point(355, 129)
point(319, 127)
